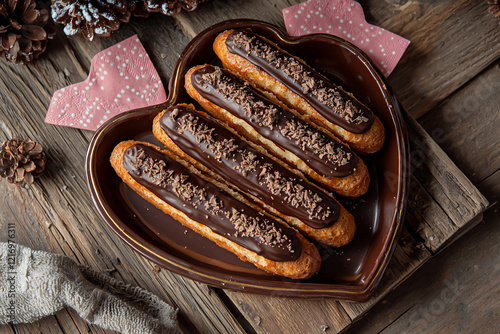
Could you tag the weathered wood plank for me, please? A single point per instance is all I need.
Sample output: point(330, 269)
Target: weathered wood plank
point(451, 42)
point(467, 125)
point(491, 187)
point(219, 10)
point(274, 314)
point(427, 218)
point(457, 291)
point(7, 329)
point(73, 228)
point(470, 263)
point(56, 213)
point(449, 187)
point(64, 321)
point(409, 255)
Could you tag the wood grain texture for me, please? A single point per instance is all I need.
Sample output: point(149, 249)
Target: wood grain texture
point(64, 321)
point(452, 41)
point(219, 10)
point(426, 219)
point(423, 213)
point(271, 314)
point(56, 214)
point(457, 287)
point(455, 292)
point(467, 125)
point(453, 191)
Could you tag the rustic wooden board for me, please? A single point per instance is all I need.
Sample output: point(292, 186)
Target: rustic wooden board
point(427, 221)
point(452, 194)
point(455, 292)
point(56, 214)
point(440, 293)
point(409, 255)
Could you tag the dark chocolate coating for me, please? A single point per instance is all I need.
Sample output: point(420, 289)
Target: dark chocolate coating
point(250, 182)
point(321, 165)
point(293, 85)
point(218, 223)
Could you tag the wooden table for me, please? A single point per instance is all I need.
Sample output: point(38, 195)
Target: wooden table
point(449, 79)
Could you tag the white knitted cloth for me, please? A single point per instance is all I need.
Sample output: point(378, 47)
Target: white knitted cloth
point(35, 284)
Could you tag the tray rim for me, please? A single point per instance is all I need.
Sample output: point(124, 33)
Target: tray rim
point(339, 291)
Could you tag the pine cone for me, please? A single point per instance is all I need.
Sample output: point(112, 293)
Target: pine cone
point(494, 8)
point(190, 5)
point(90, 17)
point(24, 30)
point(20, 161)
point(171, 7)
point(102, 17)
point(138, 8)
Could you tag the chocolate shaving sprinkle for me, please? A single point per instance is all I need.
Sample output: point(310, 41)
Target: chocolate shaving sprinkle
point(246, 226)
point(310, 141)
point(328, 95)
point(295, 194)
point(214, 205)
point(259, 112)
point(263, 230)
point(161, 176)
point(204, 134)
point(174, 113)
point(248, 163)
point(307, 137)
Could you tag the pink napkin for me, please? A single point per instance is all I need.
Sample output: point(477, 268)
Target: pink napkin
point(121, 78)
point(345, 19)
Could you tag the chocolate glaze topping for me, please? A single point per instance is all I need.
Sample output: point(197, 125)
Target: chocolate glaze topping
point(322, 153)
point(218, 149)
point(303, 80)
point(207, 204)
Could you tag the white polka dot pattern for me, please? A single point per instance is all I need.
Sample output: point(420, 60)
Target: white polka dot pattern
point(345, 19)
point(112, 87)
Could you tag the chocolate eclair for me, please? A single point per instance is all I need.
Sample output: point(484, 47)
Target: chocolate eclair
point(322, 157)
point(200, 140)
point(198, 204)
point(300, 87)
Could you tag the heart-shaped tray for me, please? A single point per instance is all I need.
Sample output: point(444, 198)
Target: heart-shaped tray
point(351, 272)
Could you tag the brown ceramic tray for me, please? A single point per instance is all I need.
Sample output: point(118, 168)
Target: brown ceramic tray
point(351, 272)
